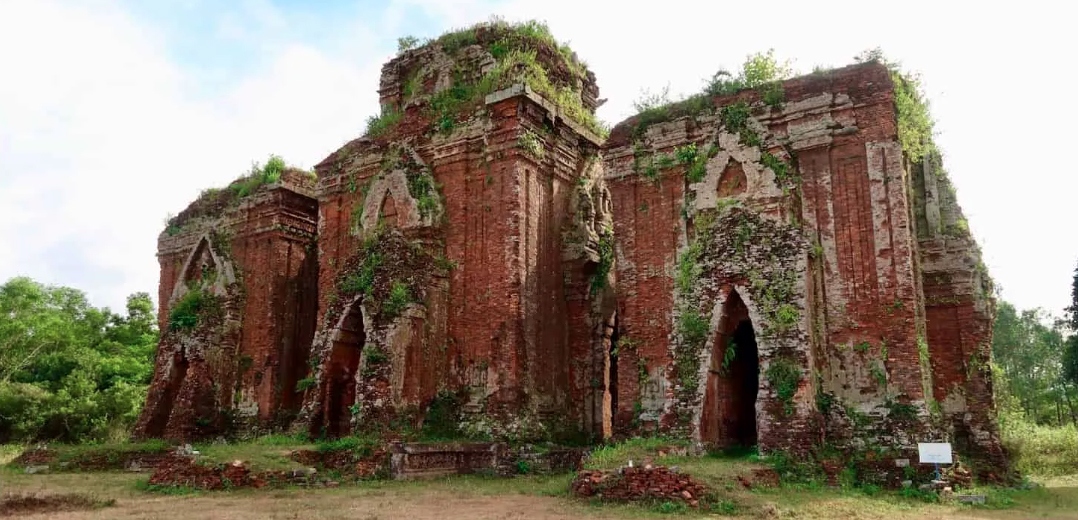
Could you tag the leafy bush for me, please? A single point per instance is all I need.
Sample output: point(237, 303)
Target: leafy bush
point(378, 125)
point(399, 297)
point(258, 176)
point(515, 48)
point(442, 420)
point(184, 315)
point(784, 375)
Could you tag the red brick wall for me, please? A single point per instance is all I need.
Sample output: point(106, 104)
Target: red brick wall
point(503, 330)
point(269, 249)
point(852, 201)
point(483, 191)
point(647, 226)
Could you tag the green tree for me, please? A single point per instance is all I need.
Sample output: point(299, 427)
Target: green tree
point(68, 370)
point(1070, 355)
point(1028, 348)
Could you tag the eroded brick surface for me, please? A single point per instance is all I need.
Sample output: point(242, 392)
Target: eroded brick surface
point(251, 264)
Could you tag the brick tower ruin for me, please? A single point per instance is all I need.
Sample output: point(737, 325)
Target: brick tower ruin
point(237, 294)
point(784, 267)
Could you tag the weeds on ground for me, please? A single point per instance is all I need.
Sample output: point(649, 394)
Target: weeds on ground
point(1043, 451)
point(636, 449)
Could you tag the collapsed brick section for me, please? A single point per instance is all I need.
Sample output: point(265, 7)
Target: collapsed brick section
point(237, 306)
point(780, 273)
point(631, 484)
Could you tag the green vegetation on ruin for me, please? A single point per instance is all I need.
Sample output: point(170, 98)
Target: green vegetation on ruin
point(524, 53)
point(916, 134)
point(915, 124)
point(385, 120)
point(606, 261)
point(531, 144)
point(386, 272)
point(784, 376)
point(359, 280)
point(746, 236)
point(213, 201)
point(184, 313)
point(399, 298)
point(760, 71)
point(650, 165)
point(421, 184)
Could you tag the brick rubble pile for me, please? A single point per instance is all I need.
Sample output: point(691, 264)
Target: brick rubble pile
point(639, 483)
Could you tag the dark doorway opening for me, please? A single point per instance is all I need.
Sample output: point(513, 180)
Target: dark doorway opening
point(729, 415)
point(339, 384)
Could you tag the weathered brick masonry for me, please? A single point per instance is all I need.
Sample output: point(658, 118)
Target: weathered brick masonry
point(845, 252)
point(781, 273)
point(251, 265)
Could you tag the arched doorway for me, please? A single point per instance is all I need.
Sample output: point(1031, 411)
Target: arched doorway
point(339, 376)
point(728, 419)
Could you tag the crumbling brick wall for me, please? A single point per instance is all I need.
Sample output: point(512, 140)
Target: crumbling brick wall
point(246, 267)
point(835, 264)
point(489, 316)
point(959, 311)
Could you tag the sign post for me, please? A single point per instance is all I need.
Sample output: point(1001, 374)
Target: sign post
point(935, 453)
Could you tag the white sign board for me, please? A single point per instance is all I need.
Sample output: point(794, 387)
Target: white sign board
point(934, 452)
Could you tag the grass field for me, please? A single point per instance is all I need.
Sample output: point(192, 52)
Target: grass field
point(539, 497)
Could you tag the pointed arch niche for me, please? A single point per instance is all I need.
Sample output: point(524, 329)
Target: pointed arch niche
point(339, 374)
point(203, 269)
point(728, 416)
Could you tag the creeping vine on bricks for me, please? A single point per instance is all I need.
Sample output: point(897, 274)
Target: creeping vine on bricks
point(388, 270)
point(784, 376)
point(606, 260)
point(760, 72)
point(764, 254)
point(421, 184)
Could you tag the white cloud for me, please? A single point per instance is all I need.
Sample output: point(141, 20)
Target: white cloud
point(103, 133)
point(100, 140)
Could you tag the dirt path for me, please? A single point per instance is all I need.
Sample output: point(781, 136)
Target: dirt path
point(411, 501)
point(432, 505)
point(483, 499)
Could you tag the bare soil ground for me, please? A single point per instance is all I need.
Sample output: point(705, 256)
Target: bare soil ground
point(483, 498)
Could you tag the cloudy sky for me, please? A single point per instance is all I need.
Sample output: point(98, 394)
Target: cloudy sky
point(115, 113)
